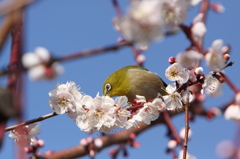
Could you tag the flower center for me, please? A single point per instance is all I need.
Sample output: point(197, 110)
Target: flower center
point(62, 101)
point(99, 113)
point(174, 74)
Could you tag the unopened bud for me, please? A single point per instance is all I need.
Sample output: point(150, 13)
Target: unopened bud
point(83, 142)
point(92, 153)
point(141, 59)
point(113, 151)
point(120, 39)
point(199, 71)
point(217, 7)
point(136, 144)
point(90, 139)
point(216, 111)
point(226, 57)
point(49, 152)
point(172, 144)
point(182, 133)
point(172, 60)
point(28, 149)
point(221, 79)
point(40, 143)
point(98, 142)
point(132, 136)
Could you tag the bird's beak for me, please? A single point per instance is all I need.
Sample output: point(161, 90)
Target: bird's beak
point(105, 92)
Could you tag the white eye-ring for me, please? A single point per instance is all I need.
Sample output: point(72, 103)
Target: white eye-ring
point(108, 87)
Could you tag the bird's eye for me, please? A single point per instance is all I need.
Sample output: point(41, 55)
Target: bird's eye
point(108, 87)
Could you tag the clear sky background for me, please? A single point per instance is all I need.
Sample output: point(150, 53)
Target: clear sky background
point(64, 26)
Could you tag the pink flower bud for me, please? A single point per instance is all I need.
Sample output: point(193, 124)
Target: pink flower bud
point(40, 143)
point(172, 144)
point(136, 144)
point(226, 57)
point(90, 139)
point(92, 153)
point(217, 7)
point(28, 149)
point(132, 136)
point(172, 60)
point(83, 142)
point(120, 39)
point(49, 152)
point(141, 58)
point(98, 142)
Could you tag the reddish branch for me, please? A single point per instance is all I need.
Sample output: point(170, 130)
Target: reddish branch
point(171, 127)
point(229, 82)
point(118, 138)
point(72, 56)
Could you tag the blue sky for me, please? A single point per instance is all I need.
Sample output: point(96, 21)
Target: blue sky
point(70, 26)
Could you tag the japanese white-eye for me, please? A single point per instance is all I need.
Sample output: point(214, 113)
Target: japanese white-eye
point(134, 80)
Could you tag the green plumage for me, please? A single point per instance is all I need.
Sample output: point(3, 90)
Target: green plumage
point(134, 80)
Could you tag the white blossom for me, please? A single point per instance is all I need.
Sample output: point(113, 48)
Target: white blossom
point(38, 66)
point(212, 86)
point(233, 113)
point(132, 122)
point(199, 70)
point(148, 113)
point(176, 72)
point(139, 34)
point(64, 98)
point(143, 23)
point(174, 13)
point(121, 112)
point(83, 120)
point(27, 135)
point(173, 99)
point(214, 58)
point(189, 59)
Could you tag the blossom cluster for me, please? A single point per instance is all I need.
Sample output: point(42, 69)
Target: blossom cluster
point(26, 135)
point(147, 20)
point(102, 113)
point(39, 66)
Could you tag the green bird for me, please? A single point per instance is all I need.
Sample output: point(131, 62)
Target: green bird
point(134, 80)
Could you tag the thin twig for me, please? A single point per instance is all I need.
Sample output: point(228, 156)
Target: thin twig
point(171, 127)
point(117, 8)
point(72, 56)
point(31, 121)
point(96, 51)
point(186, 127)
point(229, 82)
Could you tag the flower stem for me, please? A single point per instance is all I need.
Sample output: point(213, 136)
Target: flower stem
point(31, 121)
